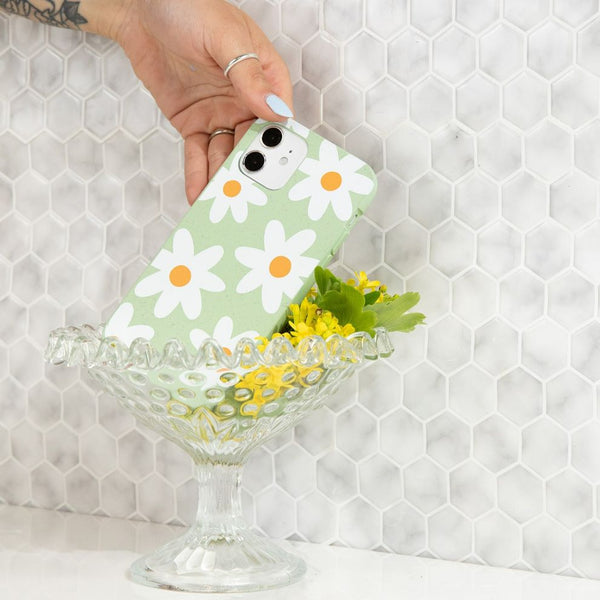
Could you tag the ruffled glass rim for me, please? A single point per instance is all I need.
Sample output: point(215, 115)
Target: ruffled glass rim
point(85, 346)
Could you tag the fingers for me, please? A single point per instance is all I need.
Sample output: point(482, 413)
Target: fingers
point(262, 88)
point(262, 85)
point(249, 81)
point(196, 164)
point(276, 71)
point(241, 129)
point(219, 148)
point(203, 157)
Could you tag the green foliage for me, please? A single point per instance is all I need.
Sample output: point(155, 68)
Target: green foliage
point(363, 311)
point(393, 316)
point(348, 305)
point(326, 281)
point(372, 297)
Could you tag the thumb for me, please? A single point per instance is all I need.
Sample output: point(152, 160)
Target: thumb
point(257, 93)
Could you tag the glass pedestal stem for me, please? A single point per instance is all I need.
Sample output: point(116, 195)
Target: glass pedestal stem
point(219, 500)
point(218, 553)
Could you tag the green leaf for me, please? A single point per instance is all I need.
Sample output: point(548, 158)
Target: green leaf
point(406, 301)
point(326, 280)
point(345, 304)
point(393, 316)
point(407, 322)
point(372, 297)
point(365, 321)
point(321, 279)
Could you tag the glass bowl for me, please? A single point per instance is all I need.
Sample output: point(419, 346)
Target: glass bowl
point(218, 405)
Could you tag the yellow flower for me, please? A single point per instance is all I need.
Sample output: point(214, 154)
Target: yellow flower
point(308, 319)
point(267, 383)
point(250, 409)
point(305, 312)
point(312, 293)
point(366, 285)
point(257, 378)
point(262, 342)
point(309, 376)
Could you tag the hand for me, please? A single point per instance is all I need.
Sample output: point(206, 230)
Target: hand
point(179, 48)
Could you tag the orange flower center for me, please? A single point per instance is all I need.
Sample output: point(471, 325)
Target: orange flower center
point(180, 276)
point(331, 181)
point(280, 266)
point(232, 188)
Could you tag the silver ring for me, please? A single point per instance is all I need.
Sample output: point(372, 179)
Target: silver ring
point(219, 131)
point(237, 59)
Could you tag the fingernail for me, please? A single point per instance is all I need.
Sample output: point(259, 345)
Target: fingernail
point(278, 106)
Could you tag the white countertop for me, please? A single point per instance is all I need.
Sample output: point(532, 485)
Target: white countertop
point(65, 556)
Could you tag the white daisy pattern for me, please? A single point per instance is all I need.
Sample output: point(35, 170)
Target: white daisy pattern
point(231, 190)
point(120, 326)
point(330, 181)
point(280, 268)
point(181, 276)
point(223, 333)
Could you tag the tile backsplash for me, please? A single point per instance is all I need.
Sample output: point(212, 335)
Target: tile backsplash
point(479, 440)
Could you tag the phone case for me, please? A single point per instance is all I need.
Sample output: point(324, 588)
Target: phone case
point(244, 252)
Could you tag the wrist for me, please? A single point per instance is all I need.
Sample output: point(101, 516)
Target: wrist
point(104, 17)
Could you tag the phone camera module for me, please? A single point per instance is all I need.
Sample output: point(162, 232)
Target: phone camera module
point(254, 161)
point(272, 137)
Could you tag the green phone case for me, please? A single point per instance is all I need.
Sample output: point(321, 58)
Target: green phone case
point(243, 252)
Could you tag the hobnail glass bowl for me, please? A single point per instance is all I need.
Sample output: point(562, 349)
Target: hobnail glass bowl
point(217, 405)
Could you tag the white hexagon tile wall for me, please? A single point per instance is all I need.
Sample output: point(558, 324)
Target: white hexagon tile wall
point(479, 440)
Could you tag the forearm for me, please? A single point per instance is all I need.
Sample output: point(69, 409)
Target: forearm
point(96, 16)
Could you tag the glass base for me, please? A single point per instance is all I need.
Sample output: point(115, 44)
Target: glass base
point(241, 562)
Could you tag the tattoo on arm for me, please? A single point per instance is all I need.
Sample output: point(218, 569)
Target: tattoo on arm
point(50, 12)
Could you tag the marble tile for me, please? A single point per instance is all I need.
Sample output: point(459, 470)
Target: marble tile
point(501, 51)
point(408, 56)
point(526, 17)
point(385, 17)
point(299, 19)
point(450, 534)
point(550, 49)
point(342, 18)
point(481, 120)
point(525, 100)
point(472, 489)
point(545, 545)
point(320, 62)
point(497, 539)
point(430, 103)
point(454, 55)
point(430, 16)
point(478, 102)
point(448, 440)
point(364, 60)
point(425, 485)
point(548, 151)
point(452, 248)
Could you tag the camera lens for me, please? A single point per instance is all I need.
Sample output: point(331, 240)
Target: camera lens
point(254, 161)
point(271, 137)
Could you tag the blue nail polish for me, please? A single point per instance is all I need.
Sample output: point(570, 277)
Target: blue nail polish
point(278, 106)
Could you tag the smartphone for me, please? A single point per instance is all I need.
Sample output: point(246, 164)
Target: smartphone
point(281, 204)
